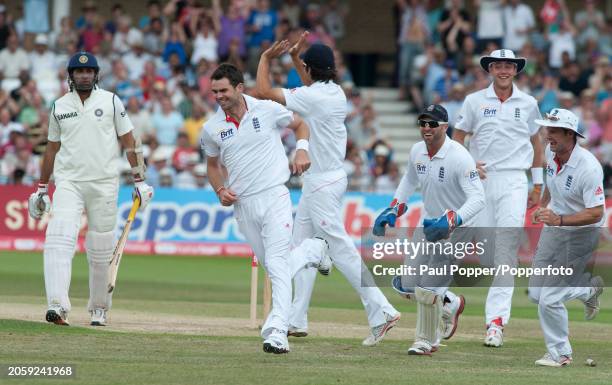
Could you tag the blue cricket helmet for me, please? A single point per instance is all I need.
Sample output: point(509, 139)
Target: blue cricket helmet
point(83, 60)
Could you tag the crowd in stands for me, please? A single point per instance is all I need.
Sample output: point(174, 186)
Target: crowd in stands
point(160, 63)
point(568, 57)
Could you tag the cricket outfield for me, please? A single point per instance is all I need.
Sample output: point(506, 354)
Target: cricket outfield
point(184, 320)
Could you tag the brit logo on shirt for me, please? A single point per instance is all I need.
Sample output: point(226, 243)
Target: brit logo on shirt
point(517, 114)
point(489, 112)
point(256, 125)
point(226, 134)
point(568, 182)
point(441, 174)
point(421, 169)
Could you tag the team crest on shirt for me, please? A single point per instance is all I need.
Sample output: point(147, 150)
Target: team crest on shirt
point(421, 169)
point(441, 174)
point(549, 170)
point(568, 182)
point(517, 114)
point(226, 134)
point(98, 112)
point(256, 125)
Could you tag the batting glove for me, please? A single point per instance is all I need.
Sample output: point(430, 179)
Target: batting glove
point(144, 192)
point(39, 202)
point(388, 217)
point(441, 228)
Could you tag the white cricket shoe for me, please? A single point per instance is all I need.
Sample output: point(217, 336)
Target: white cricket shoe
point(276, 342)
point(57, 315)
point(450, 316)
point(547, 360)
point(296, 332)
point(421, 348)
point(325, 265)
point(495, 334)
point(98, 317)
point(379, 332)
point(591, 305)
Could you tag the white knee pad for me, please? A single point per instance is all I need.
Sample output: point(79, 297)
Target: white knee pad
point(60, 244)
point(429, 307)
point(99, 248)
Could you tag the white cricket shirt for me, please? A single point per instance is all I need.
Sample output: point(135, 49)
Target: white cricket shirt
point(448, 180)
point(88, 134)
point(251, 149)
point(323, 106)
point(501, 132)
point(577, 185)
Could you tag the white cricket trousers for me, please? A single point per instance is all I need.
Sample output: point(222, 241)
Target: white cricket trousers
point(98, 199)
point(506, 202)
point(265, 219)
point(568, 248)
point(319, 214)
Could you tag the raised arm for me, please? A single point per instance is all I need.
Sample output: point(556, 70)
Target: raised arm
point(294, 52)
point(263, 85)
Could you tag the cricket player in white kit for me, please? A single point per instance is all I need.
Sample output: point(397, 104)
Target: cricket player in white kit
point(83, 155)
point(244, 136)
point(572, 210)
point(505, 142)
point(323, 105)
point(452, 196)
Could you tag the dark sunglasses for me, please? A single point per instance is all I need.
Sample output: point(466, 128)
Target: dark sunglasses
point(430, 123)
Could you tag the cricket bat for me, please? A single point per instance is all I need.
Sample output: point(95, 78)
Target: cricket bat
point(114, 263)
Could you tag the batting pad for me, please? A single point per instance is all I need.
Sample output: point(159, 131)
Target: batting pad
point(60, 244)
point(429, 307)
point(99, 248)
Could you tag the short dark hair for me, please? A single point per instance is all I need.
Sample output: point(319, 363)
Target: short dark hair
point(322, 75)
point(229, 72)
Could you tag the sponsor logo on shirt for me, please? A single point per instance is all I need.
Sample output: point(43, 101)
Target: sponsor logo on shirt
point(66, 115)
point(123, 114)
point(473, 175)
point(421, 169)
point(599, 191)
point(489, 112)
point(226, 134)
point(568, 182)
point(256, 125)
point(549, 170)
point(441, 174)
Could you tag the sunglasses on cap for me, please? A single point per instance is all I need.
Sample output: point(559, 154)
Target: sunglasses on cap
point(430, 123)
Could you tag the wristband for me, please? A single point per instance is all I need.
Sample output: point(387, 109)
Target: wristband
point(43, 188)
point(537, 175)
point(302, 144)
point(218, 190)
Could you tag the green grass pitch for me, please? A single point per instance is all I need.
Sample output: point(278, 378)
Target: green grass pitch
point(184, 320)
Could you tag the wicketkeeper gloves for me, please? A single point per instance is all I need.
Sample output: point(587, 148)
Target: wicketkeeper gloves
point(441, 228)
point(388, 217)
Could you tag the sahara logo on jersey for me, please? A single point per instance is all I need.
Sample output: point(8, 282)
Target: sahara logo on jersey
point(66, 115)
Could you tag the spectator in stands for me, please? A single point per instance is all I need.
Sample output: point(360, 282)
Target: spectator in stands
point(205, 45)
point(183, 152)
point(519, 22)
point(201, 179)
point(490, 23)
point(589, 22)
point(136, 57)
point(387, 183)
point(453, 27)
point(547, 95)
point(167, 123)
point(366, 128)
point(140, 118)
point(166, 177)
point(260, 25)
point(153, 12)
point(45, 68)
point(233, 29)
point(176, 44)
point(453, 105)
point(193, 124)
point(185, 178)
point(65, 38)
point(13, 63)
point(562, 43)
point(153, 39)
point(413, 36)
point(574, 80)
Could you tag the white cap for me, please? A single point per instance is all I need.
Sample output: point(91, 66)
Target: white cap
point(41, 39)
point(562, 118)
point(135, 37)
point(199, 169)
point(382, 150)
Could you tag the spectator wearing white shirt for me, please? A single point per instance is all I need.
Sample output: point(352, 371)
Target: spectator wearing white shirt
point(205, 44)
point(490, 27)
point(13, 62)
point(136, 57)
point(141, 119)
point(519, 21)
point(45, 68)
point(561, 42)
